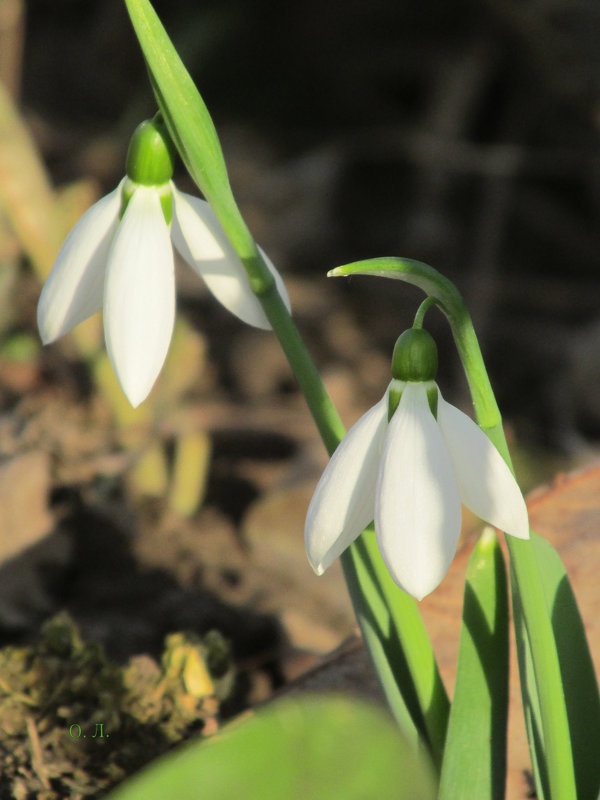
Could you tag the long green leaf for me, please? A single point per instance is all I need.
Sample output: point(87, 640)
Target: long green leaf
point(417, 666)
point(189, 122)
point(474, 763)
point(410, 679)
point(531, 700)
point(577, 671)
point(308, 748)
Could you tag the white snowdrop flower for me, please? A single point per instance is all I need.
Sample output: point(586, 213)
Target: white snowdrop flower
point(410, 476)
point(123, 263)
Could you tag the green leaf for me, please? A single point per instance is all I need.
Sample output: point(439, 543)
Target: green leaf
point(189, 122)
point(398, 645)
point(577, 672)
point(474, 763)
point(531, 702)
point(307, 748)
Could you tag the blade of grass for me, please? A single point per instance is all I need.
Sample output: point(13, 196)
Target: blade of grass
point(576, 666)
point(415, 646)
point(411, 683)
point(474, 763)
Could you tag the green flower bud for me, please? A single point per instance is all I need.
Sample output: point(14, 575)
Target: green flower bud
point(150, 158)
point(415, 357)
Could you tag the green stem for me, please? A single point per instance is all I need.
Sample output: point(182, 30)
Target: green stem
point(380, 606)
point(415, 646)
point(378, 629)
point(328, 422)
point(524, 569)
point(422, 310)
point(546, 665)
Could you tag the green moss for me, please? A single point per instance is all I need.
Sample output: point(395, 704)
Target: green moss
point(73, 724)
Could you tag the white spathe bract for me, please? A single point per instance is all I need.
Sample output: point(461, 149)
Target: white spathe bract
point(126, 267)
point(410, 476)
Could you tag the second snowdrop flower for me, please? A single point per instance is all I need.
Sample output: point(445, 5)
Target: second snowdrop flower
point(407, 464)
point(119, 258)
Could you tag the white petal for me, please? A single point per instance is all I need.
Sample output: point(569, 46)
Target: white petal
point(198, 236)
point(342, 505)
point(139, 295)
point(417, 506)
point(486, 484)
point(73, 291)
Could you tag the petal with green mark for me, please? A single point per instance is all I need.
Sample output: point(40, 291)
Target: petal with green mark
point(417, 506)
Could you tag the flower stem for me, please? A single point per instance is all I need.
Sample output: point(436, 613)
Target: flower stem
point(536, 615)
point(327, 420)
point(416, 650)
point(422, 310)
point(389, 619)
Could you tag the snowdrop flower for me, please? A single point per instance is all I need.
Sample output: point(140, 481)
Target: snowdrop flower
point(119, 257)
point(410, 476)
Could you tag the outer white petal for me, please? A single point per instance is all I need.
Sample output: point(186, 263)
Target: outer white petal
point(486, 484)
point(139, 295)
point(73, 291)
point(198, 236)
point(342, 505)
point(417, 505)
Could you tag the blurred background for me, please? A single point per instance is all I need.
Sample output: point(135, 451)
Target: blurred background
point(464, 134)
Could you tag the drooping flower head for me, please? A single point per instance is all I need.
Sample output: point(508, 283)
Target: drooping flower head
point(408, 464)
point(119, 258)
